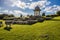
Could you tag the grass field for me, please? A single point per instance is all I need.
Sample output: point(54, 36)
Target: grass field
point(48, 30)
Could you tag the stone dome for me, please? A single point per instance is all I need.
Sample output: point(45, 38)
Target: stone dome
point(37, 8)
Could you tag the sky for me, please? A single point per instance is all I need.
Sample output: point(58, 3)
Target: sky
point(26, 7)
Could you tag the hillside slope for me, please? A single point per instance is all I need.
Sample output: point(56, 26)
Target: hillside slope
point(48, 30)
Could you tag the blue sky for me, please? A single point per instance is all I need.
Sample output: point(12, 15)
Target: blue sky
point(26, 7)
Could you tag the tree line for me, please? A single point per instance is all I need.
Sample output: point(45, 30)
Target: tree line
point(43, 14)
point(5, 15)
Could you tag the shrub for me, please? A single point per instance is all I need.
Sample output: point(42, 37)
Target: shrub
point(8, 22)
point(40, 19)
point(54, 15)
point(8, 27)
point(1, 24)
point(58, 12)
point(48, 18)
point(31, 22)
point(43, 14)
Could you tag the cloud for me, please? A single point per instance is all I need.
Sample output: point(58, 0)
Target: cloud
point(5, 11)
point(19, 4)
point(1, 13)
point(0, 8)
point(43, 4)
point(30, 0)
point(20, 12)
point(14, 12)
point(32, 5)
point(58, 7)
point(52, 9)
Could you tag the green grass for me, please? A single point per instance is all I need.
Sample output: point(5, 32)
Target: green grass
point(33, 32)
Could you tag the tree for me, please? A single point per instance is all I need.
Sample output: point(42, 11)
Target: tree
point(11, 15)
point(58, 12)
point(21, 15)
point(3, 15)
point(28, 15)
point(31, 15)
point(43, 14)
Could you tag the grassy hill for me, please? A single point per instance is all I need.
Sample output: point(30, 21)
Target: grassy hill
point(48, 30)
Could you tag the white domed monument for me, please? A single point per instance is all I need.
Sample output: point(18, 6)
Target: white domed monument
point(37, 11)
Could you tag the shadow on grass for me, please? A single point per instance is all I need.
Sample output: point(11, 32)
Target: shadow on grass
point(47, 37)
point(7, 28)
point(1, 38)
point(28, 23)
point(34, 37)
point(55, 20)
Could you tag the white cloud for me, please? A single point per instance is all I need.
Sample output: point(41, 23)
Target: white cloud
point(58, 8)
point(32, 5)
point(17, 3)
point(20, 4)
point(41, 4)
point(0, 8)
point(15, 12)
point(5, 11)
point(30, 0)
point(48, 2)
point(52, 9)
point(20, 12)
point(23, 5)
point(1, 13)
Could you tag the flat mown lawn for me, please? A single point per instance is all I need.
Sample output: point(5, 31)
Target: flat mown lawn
point(47, 30)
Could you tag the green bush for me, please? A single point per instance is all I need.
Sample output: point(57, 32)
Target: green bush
point(58, 12)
